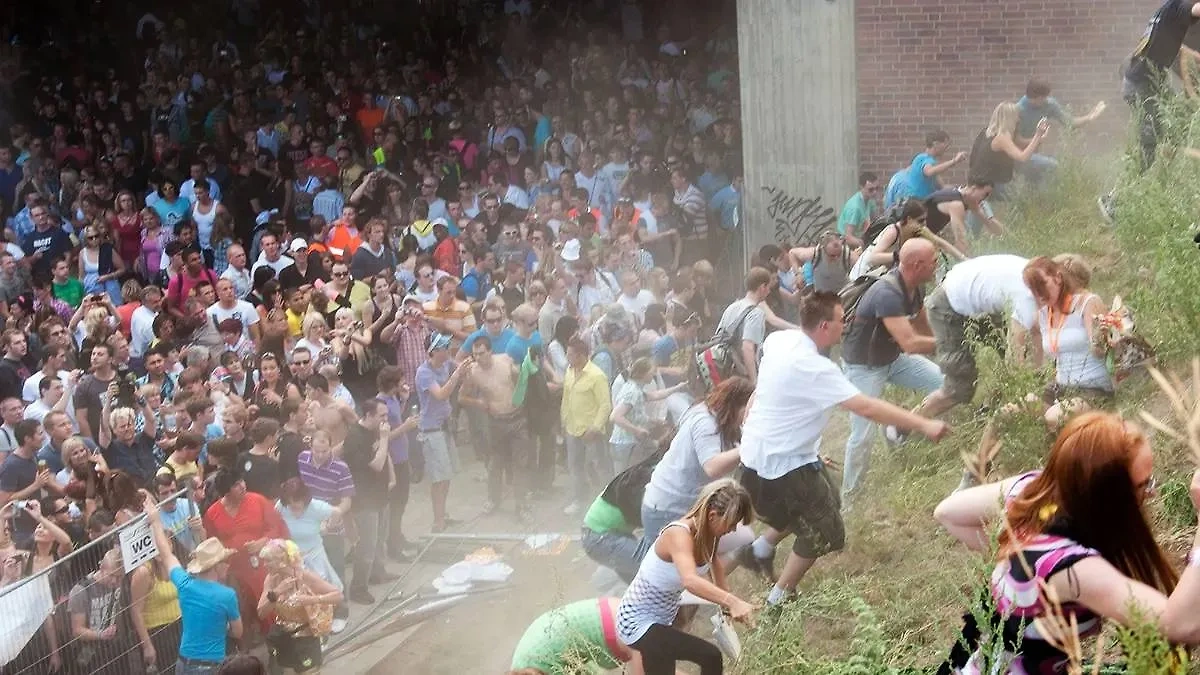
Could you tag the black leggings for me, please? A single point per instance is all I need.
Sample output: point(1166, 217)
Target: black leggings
point(662, 646)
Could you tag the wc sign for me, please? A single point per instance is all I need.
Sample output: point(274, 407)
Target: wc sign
point(137, 544)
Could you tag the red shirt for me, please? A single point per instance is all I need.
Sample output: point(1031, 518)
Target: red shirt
point(321, 167)
point(256, 518)
point(445, 257)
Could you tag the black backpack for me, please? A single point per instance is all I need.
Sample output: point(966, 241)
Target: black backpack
point(852, 293)
point(891, 216)
point(626, 490)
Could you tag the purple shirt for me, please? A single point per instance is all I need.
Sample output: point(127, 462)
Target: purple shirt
point(329, 483)
point(398, 446)
point(434, 413)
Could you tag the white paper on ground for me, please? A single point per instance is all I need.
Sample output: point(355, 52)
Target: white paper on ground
point(458, 577)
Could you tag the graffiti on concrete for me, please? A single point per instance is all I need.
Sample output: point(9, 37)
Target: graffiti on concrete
point(798, 220)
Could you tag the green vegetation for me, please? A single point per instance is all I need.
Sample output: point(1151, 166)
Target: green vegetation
point(892, 602)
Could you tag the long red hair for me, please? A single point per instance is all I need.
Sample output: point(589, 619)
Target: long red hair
point(1086, 489)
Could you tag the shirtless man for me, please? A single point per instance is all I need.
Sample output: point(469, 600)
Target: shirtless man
point(491, 381)
point(326, 412)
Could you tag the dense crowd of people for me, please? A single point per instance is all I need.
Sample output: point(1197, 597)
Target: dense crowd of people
point(262, 279)
point(275, 271)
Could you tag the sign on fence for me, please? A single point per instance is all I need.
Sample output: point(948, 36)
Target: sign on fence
point(137, 545)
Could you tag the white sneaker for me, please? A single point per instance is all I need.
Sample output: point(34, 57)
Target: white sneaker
point(339, 625)
point(572, 509)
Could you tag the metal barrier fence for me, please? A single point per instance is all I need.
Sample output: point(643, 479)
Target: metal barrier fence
point(81, 614)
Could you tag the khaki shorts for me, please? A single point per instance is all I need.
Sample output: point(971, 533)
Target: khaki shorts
point(441, 455)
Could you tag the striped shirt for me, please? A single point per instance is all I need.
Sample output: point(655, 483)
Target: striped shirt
point(328, 483)
point(457, 317)
point(694, 208)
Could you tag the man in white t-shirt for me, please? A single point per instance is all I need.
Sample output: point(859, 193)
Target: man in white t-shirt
point(979, 291)
point(784, 474)
point(635, 298)
point(141, 324)
point(53, 394)
point(228, 306)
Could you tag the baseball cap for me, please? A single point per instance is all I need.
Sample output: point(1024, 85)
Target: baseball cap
point(298, 244)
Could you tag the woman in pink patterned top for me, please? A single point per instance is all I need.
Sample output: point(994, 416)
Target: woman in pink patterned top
point(1079, 528)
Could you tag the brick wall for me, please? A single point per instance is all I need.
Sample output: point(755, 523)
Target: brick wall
point(924, 64)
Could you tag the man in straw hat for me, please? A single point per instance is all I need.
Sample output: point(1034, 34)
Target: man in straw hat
point(209, 608)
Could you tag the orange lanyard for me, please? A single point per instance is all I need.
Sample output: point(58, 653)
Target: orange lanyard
point(1056, 329)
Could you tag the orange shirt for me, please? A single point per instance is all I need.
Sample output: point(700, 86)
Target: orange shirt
point(343, 240)
point(368, 119)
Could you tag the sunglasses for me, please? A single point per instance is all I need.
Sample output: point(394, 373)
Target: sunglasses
point(341, 275)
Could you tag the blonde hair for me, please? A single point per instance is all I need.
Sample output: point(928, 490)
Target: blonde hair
point(281, 551)
point(95, 319)
point(69, 447)
point(1076, 272)
point(524, 312)
point(726, 499)
point(1004, 120)
point(121, 414)
point(311, 321)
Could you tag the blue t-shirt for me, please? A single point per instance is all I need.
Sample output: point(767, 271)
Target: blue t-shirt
point(207, 608)
point(398, 446)
point(434, 413)
point(499, 342)
point(662, 351)
point(172, 215)
point(305, 529)
point(475, 286)
point(518, 346)
point(1030, 115)
point(921, 186)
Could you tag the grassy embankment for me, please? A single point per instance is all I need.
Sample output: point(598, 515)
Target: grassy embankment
point(891, 602)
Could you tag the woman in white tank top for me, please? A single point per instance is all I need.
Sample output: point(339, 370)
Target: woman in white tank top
point(682, 558)
point(1067, 314)
point(204, 213)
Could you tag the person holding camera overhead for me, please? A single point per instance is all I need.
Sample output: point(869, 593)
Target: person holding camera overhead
point(125, 449)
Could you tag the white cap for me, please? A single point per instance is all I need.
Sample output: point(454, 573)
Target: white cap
point(298, 244)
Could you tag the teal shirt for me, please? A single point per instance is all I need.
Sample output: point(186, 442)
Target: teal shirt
point(855, 213)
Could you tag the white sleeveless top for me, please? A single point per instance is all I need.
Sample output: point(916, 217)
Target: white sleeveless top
point(204, 223)
point(1068, 345)
point(653, 596)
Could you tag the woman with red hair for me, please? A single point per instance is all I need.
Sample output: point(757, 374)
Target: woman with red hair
point(1068, 320)
point(1078, 526)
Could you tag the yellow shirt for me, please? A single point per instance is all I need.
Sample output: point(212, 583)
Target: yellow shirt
point(586, 403)
point(295, 323)
point(180, 471)
point(162, 604)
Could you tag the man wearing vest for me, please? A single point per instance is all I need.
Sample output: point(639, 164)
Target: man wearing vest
point(343, 236)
